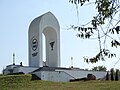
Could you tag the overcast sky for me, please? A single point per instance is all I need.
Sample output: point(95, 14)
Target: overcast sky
point(16, 16)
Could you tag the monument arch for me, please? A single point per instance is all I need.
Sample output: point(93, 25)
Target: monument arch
point(48, 25)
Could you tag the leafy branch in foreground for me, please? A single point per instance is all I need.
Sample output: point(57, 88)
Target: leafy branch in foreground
point(107, 10)
point(84, 33)
point(100, 56)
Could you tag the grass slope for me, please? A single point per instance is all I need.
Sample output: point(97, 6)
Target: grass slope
point(24, 82)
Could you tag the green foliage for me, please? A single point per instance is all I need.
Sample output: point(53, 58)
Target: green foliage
point(99, 68)
point(84, 33)
point(1, 74)
point(106, 10)
point(115, 43)
point(113, 30)
point(81, 2)
point(100, 56)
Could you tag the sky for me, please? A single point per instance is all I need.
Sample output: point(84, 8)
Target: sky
point(16, 16)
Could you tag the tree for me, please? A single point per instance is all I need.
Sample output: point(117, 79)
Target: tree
point(116, 75)
point(99, 68)
point(107, 10)
point(95, 68)
point(107, 76)
point(112, 74)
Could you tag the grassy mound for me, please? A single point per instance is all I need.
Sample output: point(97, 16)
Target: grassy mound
point(24, 82)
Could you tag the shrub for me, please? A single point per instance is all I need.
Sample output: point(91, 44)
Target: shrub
point(107, 76)
point(116, 75)
point(6, 79)
point(112, 74)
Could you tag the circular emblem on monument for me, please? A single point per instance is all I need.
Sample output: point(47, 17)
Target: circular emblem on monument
point(34, 44)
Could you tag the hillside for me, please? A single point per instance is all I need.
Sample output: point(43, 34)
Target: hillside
point(24, 82)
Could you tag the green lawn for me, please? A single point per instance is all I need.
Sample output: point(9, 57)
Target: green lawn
point(24, 82)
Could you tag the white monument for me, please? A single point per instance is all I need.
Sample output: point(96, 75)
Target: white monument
point(48, 25)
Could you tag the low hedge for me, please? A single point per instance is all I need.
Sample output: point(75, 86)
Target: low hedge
point(6, 79)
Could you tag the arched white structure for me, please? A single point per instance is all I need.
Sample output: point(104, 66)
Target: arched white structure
point(49, 26)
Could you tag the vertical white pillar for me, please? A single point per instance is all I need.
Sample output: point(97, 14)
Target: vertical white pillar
point(49, 26)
